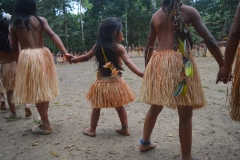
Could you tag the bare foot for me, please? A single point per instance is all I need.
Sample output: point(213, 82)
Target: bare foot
point(143, 148)
point(3, 106)
point(28, 112)
point(89, 133)
point(124, 132)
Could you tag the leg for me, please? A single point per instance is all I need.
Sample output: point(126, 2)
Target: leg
point(124, 121)
point(185, 131)
point(149, 124)
point(28, 112)
point(2, 101)
point(43, 112)
point(91, 131)
point(11, 105)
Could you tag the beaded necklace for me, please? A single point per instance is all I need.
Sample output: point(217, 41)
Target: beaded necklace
point(183, 40)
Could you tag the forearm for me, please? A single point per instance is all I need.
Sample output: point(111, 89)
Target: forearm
point(148, 54)
point(134, 69)
point(231, 48)
point(214, 49)
point(82, 58)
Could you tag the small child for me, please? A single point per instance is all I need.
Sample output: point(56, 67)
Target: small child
point(8, 68)
point(36, 78)
point(109, 90)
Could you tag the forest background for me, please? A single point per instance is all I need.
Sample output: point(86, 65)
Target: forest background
point(76, 21)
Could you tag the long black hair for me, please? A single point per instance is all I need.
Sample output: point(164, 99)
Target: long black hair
point(167, 5)
point(108, 29)
point(5, 45)
point(23, 10)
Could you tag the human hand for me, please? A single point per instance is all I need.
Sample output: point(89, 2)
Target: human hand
point(223, 75)
point(68, 57)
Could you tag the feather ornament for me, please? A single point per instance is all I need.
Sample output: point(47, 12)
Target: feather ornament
point(6, 15)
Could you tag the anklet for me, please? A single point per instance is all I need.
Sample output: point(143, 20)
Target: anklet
point(145, 143)
point(124, 127)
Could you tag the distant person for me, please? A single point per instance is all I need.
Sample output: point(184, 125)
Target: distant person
point(171, 77)
point(8, 67)
point(36, 77)
point(109, 90)
point(224, 74)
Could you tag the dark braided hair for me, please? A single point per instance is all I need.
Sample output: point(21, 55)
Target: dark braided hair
point(23, 10)
point(5, 45)
point(109, 28)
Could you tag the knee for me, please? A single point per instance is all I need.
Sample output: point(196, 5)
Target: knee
point(185, 113)
point(156, 109)
point(96, 110)
point(154, 112)
point(120, 109)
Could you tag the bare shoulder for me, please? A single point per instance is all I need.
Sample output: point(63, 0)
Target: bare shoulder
point(43, 19)
point(120, 49)
point(191, 11)
point(157, 15)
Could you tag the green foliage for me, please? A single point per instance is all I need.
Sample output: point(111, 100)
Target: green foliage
point(135, 16)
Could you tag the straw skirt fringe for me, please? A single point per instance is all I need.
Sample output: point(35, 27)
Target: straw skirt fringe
point(161, 79)
point(7, 76)
point(234, 98)
point(110, 92)
point(36, 77)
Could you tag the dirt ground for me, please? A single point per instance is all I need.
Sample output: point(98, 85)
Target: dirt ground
point(215, 135)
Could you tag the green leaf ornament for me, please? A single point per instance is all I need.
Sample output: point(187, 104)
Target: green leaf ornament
point(179, 89)
point(181, 45)
point(188, 68)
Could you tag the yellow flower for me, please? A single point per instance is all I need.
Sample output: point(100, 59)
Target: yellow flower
point(114, 72)
point(111, 66)
point(107, 65)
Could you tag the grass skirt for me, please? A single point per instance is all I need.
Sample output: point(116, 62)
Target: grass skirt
point(36, 78)
point(109, 92)
point(235, 91)
point(7, 76)
point(161, 79)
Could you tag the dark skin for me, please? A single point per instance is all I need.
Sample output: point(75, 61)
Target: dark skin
point(8, 58)
point(162, 29)
point(122, 55)
point(231, 47)
point(34, 39)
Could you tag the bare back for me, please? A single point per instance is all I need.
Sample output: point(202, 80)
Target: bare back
point(162, 29)
point(31, 38)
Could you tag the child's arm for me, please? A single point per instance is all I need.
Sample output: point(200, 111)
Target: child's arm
point(57, 41)
point(123, 54)
point(15, 44)
point(85, 57)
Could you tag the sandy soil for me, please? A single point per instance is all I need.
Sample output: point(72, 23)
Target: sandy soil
point(215, 135)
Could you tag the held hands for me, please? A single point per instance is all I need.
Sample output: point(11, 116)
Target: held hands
point(73, 60)
point(223, 75)
point(68, 57)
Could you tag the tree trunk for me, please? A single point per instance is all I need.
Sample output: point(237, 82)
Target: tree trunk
point(65, 23)
point(81, 21)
